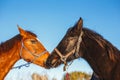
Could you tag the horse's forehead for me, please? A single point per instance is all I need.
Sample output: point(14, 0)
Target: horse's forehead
point(29, 33)
point(31, 36)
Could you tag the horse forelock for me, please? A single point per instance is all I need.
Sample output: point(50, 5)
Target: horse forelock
point(31, 33)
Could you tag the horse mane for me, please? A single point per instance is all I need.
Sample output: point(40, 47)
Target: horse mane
point(9, 44)
point(31, 33)
point(112, 52)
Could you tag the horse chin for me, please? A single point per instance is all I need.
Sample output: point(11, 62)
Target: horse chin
point(48, 65)
point(44, 65)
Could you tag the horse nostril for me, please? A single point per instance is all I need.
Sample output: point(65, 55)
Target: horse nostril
point(53, 61)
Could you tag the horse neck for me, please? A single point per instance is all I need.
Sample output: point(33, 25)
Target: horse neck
point(97, 57)
point(8, 59)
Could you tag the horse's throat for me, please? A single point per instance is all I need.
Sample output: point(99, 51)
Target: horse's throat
point(7, 60)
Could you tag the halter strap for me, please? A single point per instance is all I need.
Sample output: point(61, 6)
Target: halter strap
point(78, 44)
point(36, 55)
point(62, 57)
point(74, 51)
point(28, 63)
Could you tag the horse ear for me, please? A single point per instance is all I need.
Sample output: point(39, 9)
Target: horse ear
point(79, 24)
point(22, 31)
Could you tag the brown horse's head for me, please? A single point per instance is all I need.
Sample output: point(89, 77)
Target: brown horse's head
point(31, 48)
point(67, 44)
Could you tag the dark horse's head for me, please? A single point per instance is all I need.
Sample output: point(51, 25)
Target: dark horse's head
point(102, 56)
point(68, 46)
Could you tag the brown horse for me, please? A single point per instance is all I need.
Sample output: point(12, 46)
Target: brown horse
point(23, 46)
point(102, 56)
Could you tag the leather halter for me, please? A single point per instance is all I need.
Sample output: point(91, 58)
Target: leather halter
point(75, 51)
point(35, 56)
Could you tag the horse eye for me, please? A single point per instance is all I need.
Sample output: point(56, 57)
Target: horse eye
point(33, 41)
point(71, 38)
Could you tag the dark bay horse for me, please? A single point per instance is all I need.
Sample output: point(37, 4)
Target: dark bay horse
point(22, 46)
point(102, 56)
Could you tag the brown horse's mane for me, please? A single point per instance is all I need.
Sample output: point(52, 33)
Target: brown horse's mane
point(7, 45)
point(112, 51)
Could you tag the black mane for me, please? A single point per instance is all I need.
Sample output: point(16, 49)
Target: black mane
point(112, 50)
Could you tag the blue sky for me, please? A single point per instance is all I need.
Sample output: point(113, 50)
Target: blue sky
point(50, 19)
